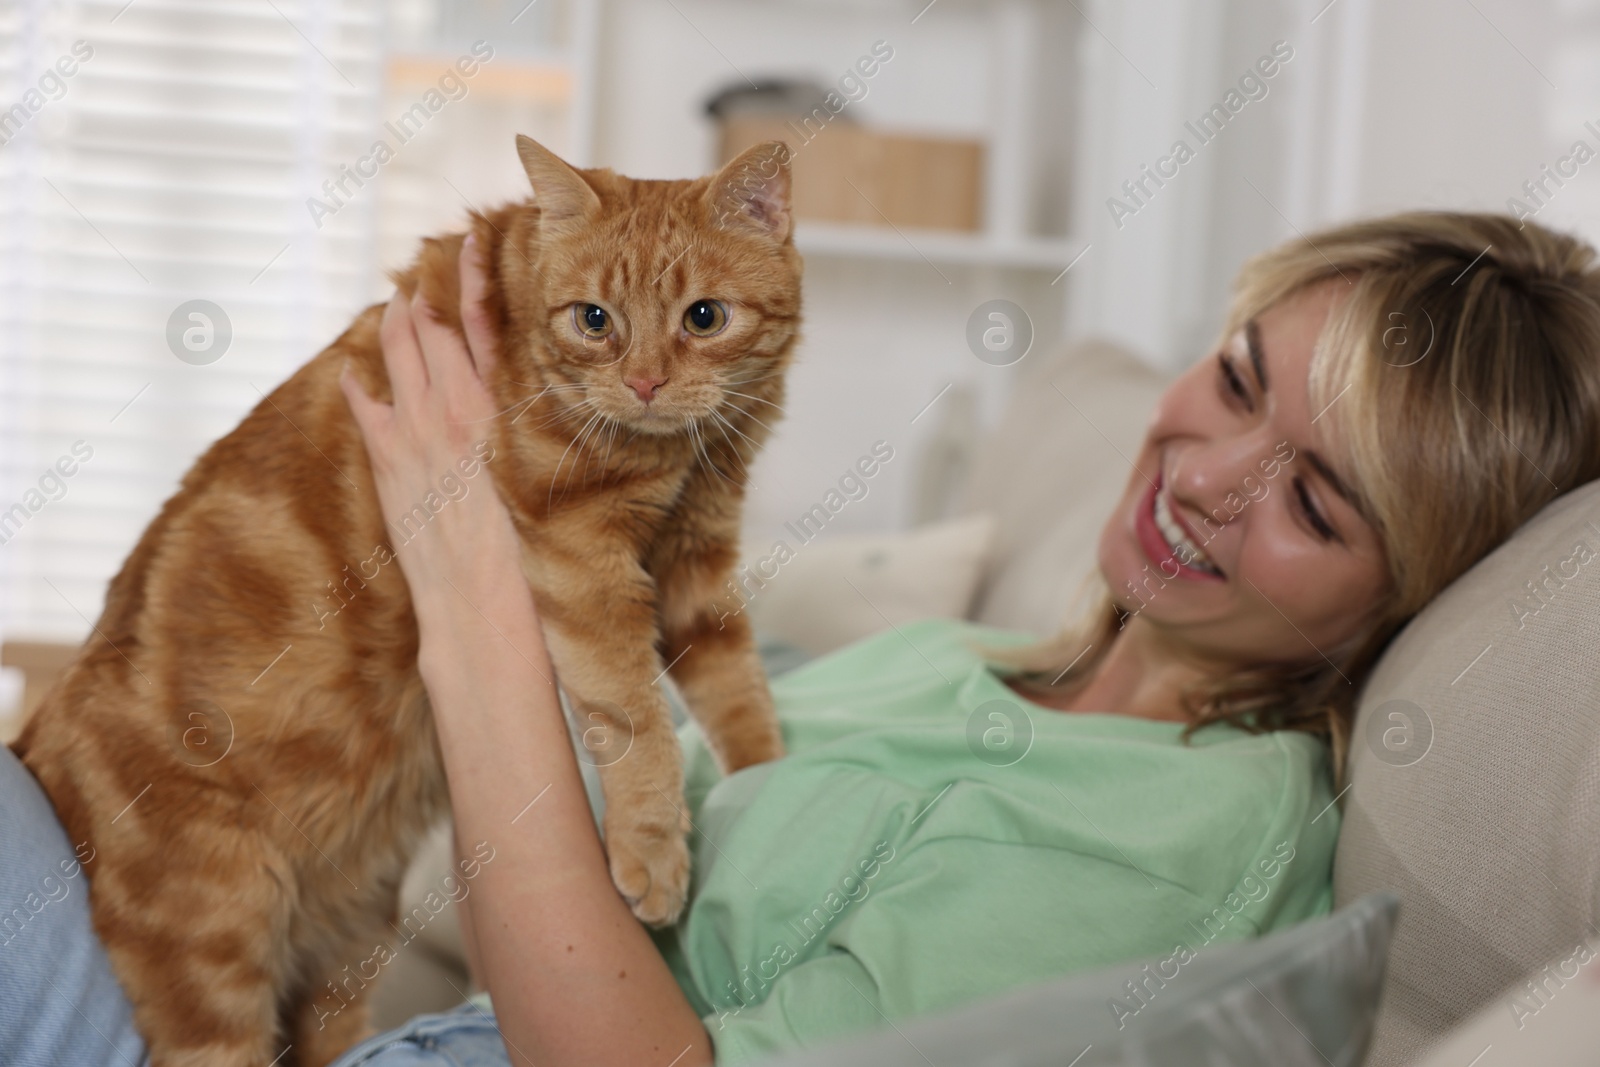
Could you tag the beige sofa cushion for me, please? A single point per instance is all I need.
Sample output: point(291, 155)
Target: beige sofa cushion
point(1476, 779)
point(1051, 472)
point(844, 588)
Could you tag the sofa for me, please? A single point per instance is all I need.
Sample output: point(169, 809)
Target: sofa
point(1473, 795)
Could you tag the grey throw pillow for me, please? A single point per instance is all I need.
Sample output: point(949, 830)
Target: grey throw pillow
point(1304, 996)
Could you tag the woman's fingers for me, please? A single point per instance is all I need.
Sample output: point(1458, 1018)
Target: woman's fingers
point(442, 348)
point(402, 355)
point(433, 371)
point(475, 322)
point(374, 417)
point(450, 370)
point(452, 373)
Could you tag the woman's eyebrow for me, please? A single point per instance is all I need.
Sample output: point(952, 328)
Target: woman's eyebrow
point(1252, 340)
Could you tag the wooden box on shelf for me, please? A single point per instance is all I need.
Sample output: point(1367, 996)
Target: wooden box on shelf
point(847, 173)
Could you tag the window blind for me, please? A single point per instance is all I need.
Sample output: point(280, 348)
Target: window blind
point(171, 166)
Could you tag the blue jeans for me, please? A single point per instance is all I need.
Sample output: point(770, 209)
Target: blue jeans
point(465, 1037)
point(59, 1001)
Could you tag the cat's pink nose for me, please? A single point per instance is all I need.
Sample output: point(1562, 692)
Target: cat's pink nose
point(645, 387)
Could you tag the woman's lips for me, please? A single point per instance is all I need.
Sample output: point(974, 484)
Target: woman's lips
point(1155, 545)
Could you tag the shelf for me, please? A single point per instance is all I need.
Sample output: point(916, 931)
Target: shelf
point(841, 241)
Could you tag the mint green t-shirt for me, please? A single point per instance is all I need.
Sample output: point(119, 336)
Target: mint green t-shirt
point(932, 838)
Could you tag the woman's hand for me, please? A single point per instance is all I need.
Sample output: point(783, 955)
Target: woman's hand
point(428, 450)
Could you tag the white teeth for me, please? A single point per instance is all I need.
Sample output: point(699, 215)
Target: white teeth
point(1183, 549)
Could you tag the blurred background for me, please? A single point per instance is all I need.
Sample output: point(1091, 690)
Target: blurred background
point(194, 200)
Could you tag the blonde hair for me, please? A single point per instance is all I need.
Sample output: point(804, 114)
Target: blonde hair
point(1468, 352)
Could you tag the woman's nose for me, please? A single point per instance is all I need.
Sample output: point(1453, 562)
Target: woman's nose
point(1204, 474)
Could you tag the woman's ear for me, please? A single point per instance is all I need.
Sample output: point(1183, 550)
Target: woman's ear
point(563, 197)
point(752, 191)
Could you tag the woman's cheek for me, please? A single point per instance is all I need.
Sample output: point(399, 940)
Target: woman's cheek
point(1318, 594)
point(1281, 563)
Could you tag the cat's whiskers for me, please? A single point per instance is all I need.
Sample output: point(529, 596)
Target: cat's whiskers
point(723, 420)
point(694, 441)
point(733, 449)
point(743, 461)
point(527, 407)
point(611, 435)
point(527, 403)
point(553, 387)
point(552, 418)
point(589, 428)
point(606, 422)
point(550, 497)
point(524, 403)
point(700, 454)
point(757, 378)
point(761, 400)
point(561, 412)
point(496, 415)
point(581, 444)
point(705, 446)
point(751, 417)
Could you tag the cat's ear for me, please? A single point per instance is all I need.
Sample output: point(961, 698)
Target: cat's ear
point(752, 191)
point(563, 196)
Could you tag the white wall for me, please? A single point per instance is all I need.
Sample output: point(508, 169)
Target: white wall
point(1158, 279)
point(1386, 106)
point(1454, 116)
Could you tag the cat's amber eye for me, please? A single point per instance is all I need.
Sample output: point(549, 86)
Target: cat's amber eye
point(591, 320)
point(705, 317)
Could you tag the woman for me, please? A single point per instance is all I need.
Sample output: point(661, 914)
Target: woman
point(1390, 401)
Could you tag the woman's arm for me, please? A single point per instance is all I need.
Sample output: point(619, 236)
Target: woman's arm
point(574, 976)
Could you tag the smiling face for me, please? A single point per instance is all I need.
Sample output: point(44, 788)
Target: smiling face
point(1236, 538)
point(666, 302)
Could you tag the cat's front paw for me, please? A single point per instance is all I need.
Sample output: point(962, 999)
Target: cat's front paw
point(649, 854)
point(760, 742)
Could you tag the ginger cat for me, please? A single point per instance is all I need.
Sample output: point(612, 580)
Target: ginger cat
point(245, 741)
